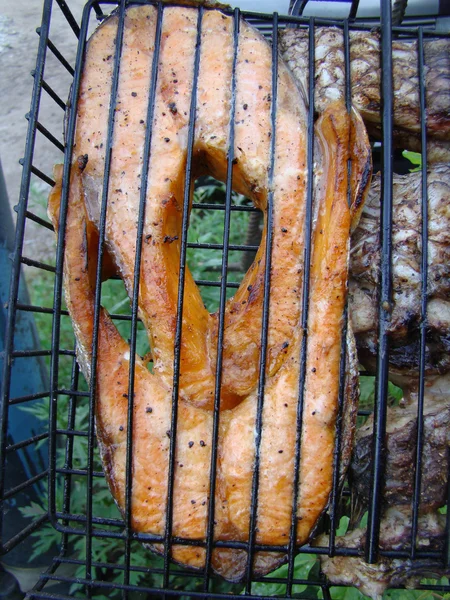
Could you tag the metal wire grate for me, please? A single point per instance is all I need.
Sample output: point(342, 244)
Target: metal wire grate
point(67, 433)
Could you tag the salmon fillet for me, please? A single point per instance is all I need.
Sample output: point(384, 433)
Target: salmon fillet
point(339, 136)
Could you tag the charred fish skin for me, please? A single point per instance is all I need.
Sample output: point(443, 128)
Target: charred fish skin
point(395, 534)
point(365, 259)
point(330, 78)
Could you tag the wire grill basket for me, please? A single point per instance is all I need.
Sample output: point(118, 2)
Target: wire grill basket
point(60, 493)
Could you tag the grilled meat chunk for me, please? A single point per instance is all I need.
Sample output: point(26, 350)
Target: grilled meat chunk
point(338, 136)
point(395, 534)
point(406, 272)
point(330, 81)
point(401, 445)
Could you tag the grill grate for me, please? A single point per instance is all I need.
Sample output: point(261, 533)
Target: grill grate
point(65, 432)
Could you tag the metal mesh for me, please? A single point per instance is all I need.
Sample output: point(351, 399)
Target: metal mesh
point(70, 430)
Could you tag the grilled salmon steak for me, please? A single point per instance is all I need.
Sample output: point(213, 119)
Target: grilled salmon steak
point(338, 137)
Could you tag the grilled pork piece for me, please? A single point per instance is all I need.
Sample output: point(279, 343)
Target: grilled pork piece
point(401, 443)
point(395, 534)
point(365, 81)
point(406, 273)
point(152, 403)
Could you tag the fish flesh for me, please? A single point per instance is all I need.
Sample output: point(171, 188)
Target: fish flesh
point(236, 448)
point(365, 81)
point(339, 136)
point(395, 534)
point(162, 229)
point(405, 314)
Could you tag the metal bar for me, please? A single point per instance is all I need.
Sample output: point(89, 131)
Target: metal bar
point(342, 366)
point(51, 92)
point(69, 17)
point(65, 392)
point(37, 264)
point(305, 306)
point(68, 459)
point(353, 9)
point(83, 472)
point(180, 302)
point(28, 442)
point(22, 535)
point(265, 312)
point(72, 432)
point(59, 260)
point(98, 283)
point(206, 283)
point(136, 282)
point(382, 369)
point(45, 132)
point(423, 299)
point(22, 399)
point(33, 353)
point(38, 220)
point(222, 305)
point(98, 11)
point(24, 485)
point(212, 206)
point(65, 63)
point(38, 309)
point(220, 246)
point(45, 178)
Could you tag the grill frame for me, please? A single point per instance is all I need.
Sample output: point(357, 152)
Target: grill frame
point(61, 520)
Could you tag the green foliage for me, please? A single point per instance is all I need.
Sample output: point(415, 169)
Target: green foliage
point(303, 565)
point(415, 158)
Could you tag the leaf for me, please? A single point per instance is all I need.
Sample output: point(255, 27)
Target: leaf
point(347, 593)
point(415, 158)
point(343, 526)
point(302, 566)
point(33, 510)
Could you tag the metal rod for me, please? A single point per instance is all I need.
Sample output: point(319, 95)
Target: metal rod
point(28, 442)
point(51, 92)
point(136, 282)
point(222, 305)
point(38, 220)
point(37, 264)
point(65, 63)
point(423, 300)
point(307, 251)
point(180, 303)
point(98, 283)
point(265, 312)
point(46, 133)
point(382, 369)
point(69, 17)
point(242, 248)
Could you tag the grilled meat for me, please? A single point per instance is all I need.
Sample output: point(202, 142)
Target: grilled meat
point(401, 444)
point(405, 316)
point(397, 494)
point(365, 81)
point(338, 136)
point(162, 229)
point(395, 534)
